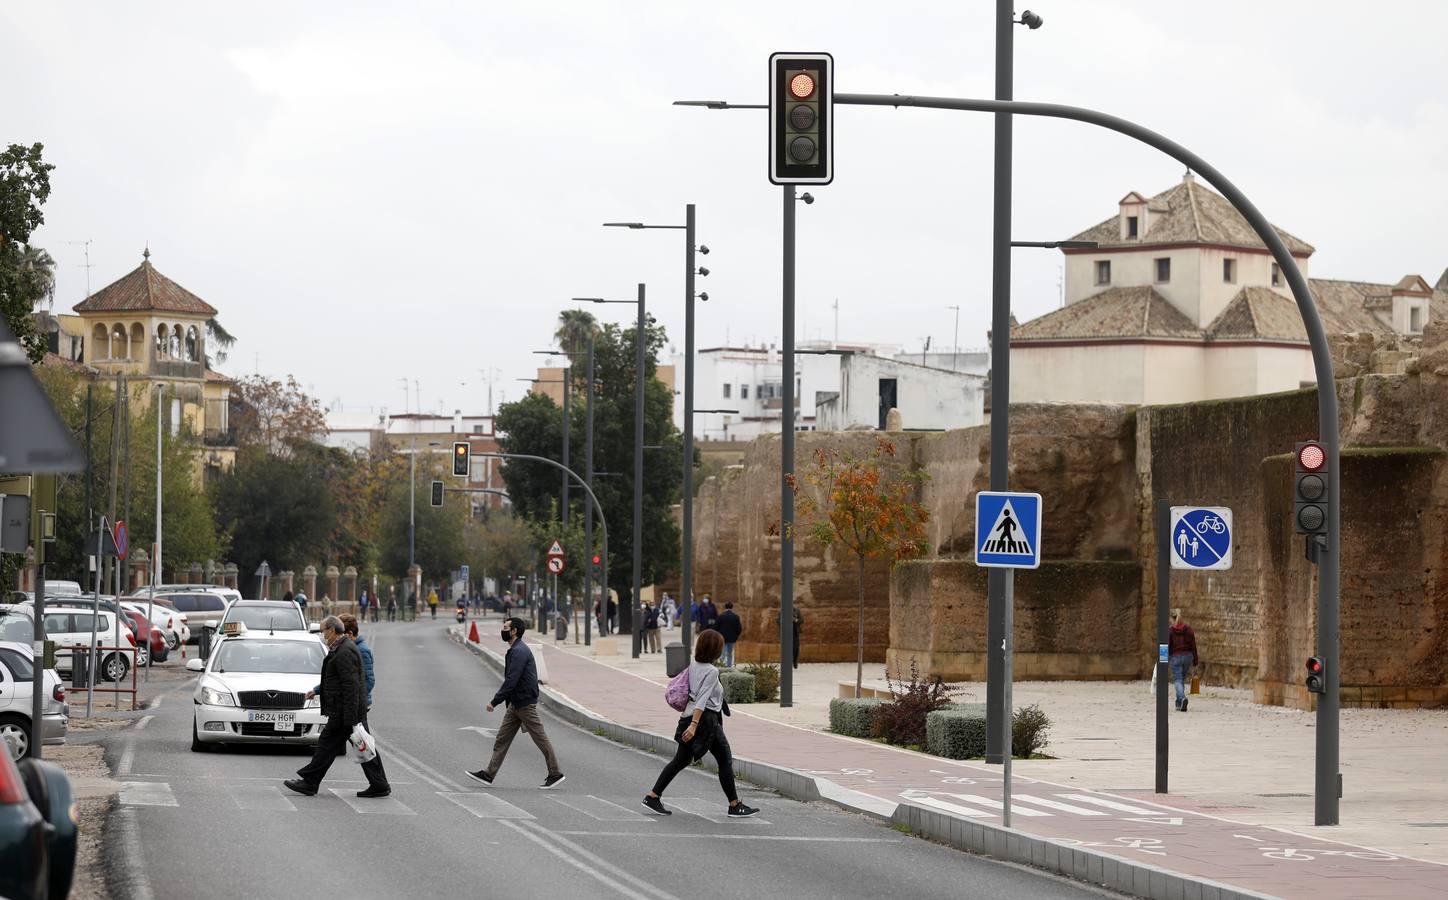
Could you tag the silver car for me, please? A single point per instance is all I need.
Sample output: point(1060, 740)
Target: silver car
point(17, 671)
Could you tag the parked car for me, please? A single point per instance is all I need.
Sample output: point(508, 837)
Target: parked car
point(253, 689)
point(147, 651)
point(230, 594)
point(268, 615)
point(203, 609)
point(17, 671)
point(37, 830)
point(163, 616)
point(63, 589)
point(70, 628)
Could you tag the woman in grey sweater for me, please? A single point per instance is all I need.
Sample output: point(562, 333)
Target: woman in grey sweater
point(701, 729)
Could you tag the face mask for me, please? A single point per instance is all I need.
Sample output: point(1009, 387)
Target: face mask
point(507, 637)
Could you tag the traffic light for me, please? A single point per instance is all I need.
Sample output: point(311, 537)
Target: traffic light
point(462, 457)
point(1316, 675)
point(437, 493)
point(1310, 493)
point(597, 562)
point(801, 118)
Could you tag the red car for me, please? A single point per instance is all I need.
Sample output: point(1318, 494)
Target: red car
point(152, 650)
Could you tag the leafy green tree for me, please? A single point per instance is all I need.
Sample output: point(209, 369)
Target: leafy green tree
point(532, 425)
point(26, 273)
point(278, 509)
point(440, 544)
point(500, 544)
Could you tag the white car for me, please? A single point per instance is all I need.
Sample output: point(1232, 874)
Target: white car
point(164, 617)
point(70, 628)
point(17, 669)
point(253, 689)
point(268, 615)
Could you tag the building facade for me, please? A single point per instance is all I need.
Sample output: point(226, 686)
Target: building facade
point(927, 398)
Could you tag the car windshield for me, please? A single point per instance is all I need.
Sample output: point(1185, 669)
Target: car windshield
point(266, 619)
point(280, 657)
point(15, 627)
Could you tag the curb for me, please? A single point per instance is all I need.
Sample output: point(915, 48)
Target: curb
point(1127, 876)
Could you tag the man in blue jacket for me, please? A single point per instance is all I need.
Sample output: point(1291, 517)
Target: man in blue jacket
point(519, 692)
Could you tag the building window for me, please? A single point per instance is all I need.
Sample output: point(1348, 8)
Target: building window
point(1103, 271)
point(1163, 270)
point(1131, 226)
point(1229, 271)
point(743, 392)
point(1415, 319)
point(727, 389)
point(1276, 275)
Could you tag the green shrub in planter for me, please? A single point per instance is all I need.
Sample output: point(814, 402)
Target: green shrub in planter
point(738, 686)
point(957, 732)
point(854, 717)
point(766, 681)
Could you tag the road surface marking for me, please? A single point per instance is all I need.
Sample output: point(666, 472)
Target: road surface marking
point(144, 721)
point(950, 807)
point(715, 811)
point(388, 806)
point(1059, 806)
point(147, 793)
point(651, 835)
point(260, 797)
point(1109, 804)
point(602, 810)
point(486, 806)
point(580, 852)
point(998, 806)
point(594, 870)
point(128, 757)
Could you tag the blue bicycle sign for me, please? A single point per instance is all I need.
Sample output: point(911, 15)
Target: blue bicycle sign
point(1201, 537)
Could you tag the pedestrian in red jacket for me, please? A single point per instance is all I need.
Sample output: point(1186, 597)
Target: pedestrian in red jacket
point(1182, 654)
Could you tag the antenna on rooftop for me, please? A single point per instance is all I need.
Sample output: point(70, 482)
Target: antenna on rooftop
point(87, 264)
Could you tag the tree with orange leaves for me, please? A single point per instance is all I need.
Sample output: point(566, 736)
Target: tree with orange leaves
point(865, 504)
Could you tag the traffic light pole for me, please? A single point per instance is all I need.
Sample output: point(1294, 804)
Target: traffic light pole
point(588, 514)
point(786, 465)
point(1328, 780)
point(1163, 603)
point(638, 486)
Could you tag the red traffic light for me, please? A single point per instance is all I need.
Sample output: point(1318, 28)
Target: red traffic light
point(1314, 665)
point(1311, 457)
point(802, 85)
point(597, 559)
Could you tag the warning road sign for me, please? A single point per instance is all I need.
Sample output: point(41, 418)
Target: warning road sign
point(555, 565)
point(1007, 530)
point(555, 548)
point(1201, 537)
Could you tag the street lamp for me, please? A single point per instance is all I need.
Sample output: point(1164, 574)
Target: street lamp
point(686, 582)
point(634, 621)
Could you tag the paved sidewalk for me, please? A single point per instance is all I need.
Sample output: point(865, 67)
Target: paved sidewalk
point(1104, 800)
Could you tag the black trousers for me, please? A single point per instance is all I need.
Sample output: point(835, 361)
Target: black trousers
point(331, 742)
point(684, 756)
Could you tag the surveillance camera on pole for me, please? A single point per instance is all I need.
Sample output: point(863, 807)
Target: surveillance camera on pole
point(801, 118)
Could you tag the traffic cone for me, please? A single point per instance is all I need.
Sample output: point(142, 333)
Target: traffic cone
point(473, 632)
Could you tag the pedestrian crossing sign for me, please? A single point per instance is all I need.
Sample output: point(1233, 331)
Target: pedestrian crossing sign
point(1007, 530)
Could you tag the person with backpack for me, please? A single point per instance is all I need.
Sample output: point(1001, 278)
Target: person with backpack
point(699, 695)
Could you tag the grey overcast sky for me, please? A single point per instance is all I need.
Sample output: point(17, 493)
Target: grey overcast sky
point(369, 191)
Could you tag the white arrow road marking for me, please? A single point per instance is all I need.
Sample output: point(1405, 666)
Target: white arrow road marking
point(1156, 820)
point(485, 732)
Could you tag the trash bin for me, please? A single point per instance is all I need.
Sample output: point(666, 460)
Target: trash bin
point(203, 643)
point(560, 630)
point(676, 658)
point(80, 667)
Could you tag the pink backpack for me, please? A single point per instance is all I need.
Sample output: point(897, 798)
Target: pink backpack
point(677, 693)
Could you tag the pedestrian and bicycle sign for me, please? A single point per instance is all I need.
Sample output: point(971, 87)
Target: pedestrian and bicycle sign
point(555, 548)
point(1201, 537)
point(1007, 530)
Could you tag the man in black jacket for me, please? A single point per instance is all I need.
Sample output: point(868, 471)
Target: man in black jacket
point(730, 628)
point(343, 703)
point(520, 692)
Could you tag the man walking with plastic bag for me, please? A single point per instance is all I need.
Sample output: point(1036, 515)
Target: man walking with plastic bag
point(520, 692)
point(343, 692)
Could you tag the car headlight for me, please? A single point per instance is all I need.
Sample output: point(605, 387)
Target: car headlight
point(213, 697)
point(315, 702)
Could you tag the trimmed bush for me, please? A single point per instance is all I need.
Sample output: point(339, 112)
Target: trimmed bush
point(956, 732)
point(1028, 731)
point(854, 717)
point(738, 686)
point(902, 719)
point(766, 681)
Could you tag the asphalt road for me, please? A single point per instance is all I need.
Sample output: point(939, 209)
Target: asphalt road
point(220, 825)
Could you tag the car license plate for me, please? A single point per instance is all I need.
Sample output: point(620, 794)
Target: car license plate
point(281, 721)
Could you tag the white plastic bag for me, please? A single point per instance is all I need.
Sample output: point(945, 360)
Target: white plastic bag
point(1153, 680)
point(361, 746)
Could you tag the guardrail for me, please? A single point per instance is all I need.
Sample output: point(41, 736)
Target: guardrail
point(80, 658)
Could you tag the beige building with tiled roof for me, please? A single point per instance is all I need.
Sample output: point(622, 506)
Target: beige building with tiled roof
point(153, 331)
point(1181, 301)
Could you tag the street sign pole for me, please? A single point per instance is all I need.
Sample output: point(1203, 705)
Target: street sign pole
point(1163, 601)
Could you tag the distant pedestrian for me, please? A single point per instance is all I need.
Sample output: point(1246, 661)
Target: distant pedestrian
point(612, 615)
point(1182, 655)
point(708, 614)
point(798, 632)
point(730, 628)
point(376, 603)
point(326, 606)
point(344, 693)
point(362, 602)
point(432, 602)
point(519, 692)
point(701, 730)
point(651, 628)
point(301, 598)
point(668, 612)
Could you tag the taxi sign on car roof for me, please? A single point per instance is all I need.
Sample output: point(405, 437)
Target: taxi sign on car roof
point(234, 629)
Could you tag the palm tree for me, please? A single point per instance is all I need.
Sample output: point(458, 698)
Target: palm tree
point(220, 338)
point(575, 327)
point(41, 268)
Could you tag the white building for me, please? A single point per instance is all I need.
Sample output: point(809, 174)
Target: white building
point(928, 398)
point(1181, 301)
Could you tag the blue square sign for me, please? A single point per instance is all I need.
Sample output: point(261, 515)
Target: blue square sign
point(1007, 530)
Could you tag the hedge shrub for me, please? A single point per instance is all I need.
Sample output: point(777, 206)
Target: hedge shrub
point(738, 686)
point(956, 732)
point(766, 681)
point(854, 717)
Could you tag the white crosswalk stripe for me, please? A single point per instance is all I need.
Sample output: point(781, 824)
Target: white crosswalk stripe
point(147, 793)
point(387, 806)
point(602, 810)
point(486, 806)
point(1109, 804)
point(713, 810)
point(959, 809)
point(998, 806)
point(1058, 805)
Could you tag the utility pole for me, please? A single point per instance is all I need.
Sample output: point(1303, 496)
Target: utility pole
point(640, 379)
point(955, 341)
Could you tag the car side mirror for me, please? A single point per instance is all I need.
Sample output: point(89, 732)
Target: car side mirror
point(195, 665)
point(315, 627)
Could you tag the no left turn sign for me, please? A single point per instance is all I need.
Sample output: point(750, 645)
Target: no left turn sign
point(555, 565)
